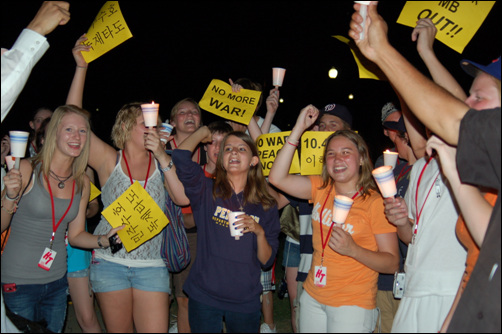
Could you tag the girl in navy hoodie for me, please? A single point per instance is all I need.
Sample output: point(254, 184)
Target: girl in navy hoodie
point(224, 282)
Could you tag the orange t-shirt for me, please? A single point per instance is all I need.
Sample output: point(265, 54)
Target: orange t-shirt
point(348, 282)
point(466, 239)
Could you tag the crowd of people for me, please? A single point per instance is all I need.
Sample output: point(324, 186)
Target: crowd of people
point(440, 234)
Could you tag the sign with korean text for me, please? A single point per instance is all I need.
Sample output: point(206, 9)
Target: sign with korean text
point(368, 70)
point(143, 218)
point(108, 30)
point(456, 21)
point(268, 148)
point(313, 144)
point(238, 107)
point(95, 192)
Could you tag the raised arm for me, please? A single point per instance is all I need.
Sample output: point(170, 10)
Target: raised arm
point(475, 209)
point(434, 106)
point(424, 34)
point(102, 156)
point(296, 185)
point(272, 103)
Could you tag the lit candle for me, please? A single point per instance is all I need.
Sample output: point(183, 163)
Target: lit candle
point(150, 113)
point(390, 158)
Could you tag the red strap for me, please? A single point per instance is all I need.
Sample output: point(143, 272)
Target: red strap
point(147, 172)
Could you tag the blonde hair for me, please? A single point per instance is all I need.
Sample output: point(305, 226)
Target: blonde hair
point(44, 157)
point(174, 110)
point(255, 191)
point(365, 179)
point(126, 117)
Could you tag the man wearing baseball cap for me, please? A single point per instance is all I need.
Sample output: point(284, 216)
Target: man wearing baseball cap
point(335, 117)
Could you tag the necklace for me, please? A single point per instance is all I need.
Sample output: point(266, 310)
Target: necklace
point(240, 202)
point(349, 193)
point(61, 180)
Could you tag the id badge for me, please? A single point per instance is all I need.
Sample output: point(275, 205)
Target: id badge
point(320, 276)
point(47, 259)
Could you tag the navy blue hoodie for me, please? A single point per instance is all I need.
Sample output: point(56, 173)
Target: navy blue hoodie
point(226, 272)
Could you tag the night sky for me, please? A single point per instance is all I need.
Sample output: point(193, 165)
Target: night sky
point(179, 47)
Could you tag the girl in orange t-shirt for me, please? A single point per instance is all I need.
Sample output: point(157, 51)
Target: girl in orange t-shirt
point(342, 282)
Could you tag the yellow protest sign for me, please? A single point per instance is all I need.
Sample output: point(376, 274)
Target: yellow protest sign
point(268, 148)
point(143, 218)
point(220, 100)
point(312, 151)
point(367, 71)
point(94, 192)
point(108, 30)
point(456, 21)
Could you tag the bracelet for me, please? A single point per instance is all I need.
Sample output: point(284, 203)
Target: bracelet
point(10, 212)
point(290, 143)
point(11, 199)
point(100, 244)
point(168, 168)
point(81, 66)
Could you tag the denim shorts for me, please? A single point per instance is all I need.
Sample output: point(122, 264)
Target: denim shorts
point(291, 255)
point(39, 302)
point(79, 273)
point(109, 276)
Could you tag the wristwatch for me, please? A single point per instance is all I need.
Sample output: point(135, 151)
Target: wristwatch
point(169, 166)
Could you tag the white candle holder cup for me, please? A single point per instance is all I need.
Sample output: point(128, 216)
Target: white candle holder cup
point(234, 231)
point(384, 177)
point(390, 158)
point(341, 208)
point(278, 76)
point(18, 144)
point(165, 130)
point(150, 114)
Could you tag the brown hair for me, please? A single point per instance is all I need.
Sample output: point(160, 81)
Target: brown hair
point(255, 191)
point(365, 179)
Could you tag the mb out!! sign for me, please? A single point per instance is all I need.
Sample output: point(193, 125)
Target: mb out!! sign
point(456, 21)
point(220, 100)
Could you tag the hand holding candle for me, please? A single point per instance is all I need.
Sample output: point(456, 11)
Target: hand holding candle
point(384, 177)
point(363, 11)
point(150, 113)
point(18, 143)
point(278, 76)
point(232, 219)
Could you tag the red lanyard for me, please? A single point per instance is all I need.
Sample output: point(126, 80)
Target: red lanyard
point(325, 242)
point(403, 172)
point(419, 213)
point(147, 172)
point(54, 225)
point(198, 151)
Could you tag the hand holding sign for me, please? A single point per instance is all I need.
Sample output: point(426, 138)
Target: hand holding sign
point(230, 102)
point(108, 30)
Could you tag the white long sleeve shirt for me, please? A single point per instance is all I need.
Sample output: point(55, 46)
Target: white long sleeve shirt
point(17, 64)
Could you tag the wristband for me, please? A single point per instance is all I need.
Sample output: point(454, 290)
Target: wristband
point(290, 143)
point(168, 168)
point(10, 212)
point(11, 199)
point(100, 244)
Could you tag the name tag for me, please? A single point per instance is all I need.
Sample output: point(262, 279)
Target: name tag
point(47, 259)
point(320, 276)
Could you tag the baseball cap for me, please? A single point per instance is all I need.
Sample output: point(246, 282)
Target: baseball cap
point(339, 111)
point(388, 109)
point(471, 67)
point(398, 126)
